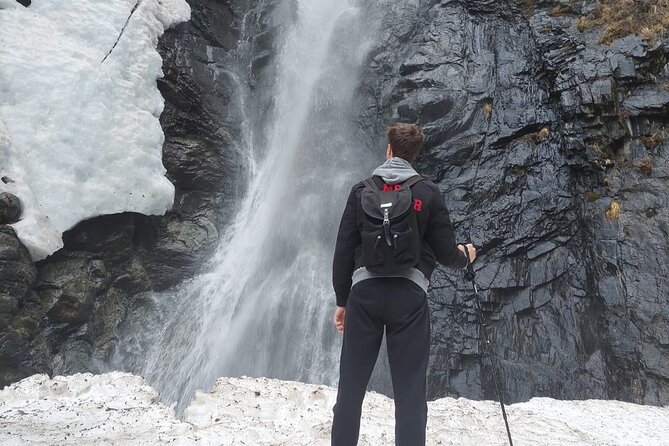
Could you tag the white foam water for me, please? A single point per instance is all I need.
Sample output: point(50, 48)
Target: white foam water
point(264, 306)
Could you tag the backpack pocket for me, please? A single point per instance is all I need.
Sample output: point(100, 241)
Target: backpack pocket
point(372, 249)
point(406, 246)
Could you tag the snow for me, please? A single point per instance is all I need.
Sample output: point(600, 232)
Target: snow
point(120, 409)
point(78, 137)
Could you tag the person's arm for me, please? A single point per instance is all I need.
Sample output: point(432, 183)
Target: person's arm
point(348, 238)
point(441, 235)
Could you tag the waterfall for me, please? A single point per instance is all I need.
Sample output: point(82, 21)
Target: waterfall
point(264, 305)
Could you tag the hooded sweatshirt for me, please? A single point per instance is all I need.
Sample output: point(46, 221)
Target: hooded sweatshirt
point(437, 234)
point(395, 170)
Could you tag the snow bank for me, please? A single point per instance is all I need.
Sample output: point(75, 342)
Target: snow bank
point(119, 409)
point(116, 408)
point(80, 137)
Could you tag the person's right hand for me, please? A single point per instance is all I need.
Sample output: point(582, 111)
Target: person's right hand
point(339, 316)
point(471, 249)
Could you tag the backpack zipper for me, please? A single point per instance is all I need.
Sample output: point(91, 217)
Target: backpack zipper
point(386, 227)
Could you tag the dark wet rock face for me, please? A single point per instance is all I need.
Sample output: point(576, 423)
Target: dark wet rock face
point(17, 274)
point(201, 121)
point(202, 152)
point(551, 151)
point(10, 208)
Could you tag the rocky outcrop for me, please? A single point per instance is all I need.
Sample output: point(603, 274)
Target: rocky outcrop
point(203, 150)
point(10, 208)
point(18, 318)
point(550, 149)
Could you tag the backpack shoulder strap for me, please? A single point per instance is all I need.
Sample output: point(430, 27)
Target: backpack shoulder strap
point(369, 183)
point(413, 180)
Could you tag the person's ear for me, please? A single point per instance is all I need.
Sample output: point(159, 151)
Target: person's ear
point(389, 152)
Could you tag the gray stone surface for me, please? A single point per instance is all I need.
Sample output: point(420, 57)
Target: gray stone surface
point(17, 274)
point(10, 208)
point(576, 302)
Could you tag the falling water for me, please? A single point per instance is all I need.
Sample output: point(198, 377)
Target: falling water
point(263, 307)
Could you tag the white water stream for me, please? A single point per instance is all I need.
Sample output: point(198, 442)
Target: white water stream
point(264, 306)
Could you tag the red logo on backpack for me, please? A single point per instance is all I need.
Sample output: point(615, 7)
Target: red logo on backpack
point(417, 204)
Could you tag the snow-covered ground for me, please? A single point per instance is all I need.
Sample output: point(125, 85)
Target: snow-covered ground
point(80, 137)
point(119, 409)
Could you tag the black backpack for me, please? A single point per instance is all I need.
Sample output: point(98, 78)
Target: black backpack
point(390, 236)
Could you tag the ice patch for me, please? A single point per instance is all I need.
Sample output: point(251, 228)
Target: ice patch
point(120, 409)
point(81, 138)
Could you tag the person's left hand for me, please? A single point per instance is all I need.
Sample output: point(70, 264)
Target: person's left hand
point(340, 314)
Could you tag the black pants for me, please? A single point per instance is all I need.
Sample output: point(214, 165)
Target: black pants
point(400, 306)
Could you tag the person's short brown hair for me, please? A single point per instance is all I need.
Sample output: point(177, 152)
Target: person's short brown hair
point(406, 140)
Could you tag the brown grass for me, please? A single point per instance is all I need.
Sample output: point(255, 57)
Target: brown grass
point(654, 141)
point(517, 170)
point(543, 133)
point(591, 196)
point(559, 10)
point(538, 136)
point(623, 114)
point(526, 7)
point(487, 109)
point(612, 212)
point(646, 166)
point(620, 18)
point(598, 149)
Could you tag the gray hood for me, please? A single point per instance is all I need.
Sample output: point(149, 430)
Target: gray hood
point(395, 170)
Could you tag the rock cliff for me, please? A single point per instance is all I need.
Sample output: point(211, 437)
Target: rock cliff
point(550, 149)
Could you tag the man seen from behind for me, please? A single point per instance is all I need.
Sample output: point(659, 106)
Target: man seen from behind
point(394, 229)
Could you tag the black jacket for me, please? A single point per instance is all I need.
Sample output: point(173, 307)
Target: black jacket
point(438, 237)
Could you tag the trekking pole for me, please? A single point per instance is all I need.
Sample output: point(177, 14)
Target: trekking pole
point(471, 276)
